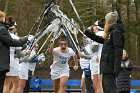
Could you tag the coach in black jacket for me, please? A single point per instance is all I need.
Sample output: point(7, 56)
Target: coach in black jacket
point(5, 42)
point(113, 43)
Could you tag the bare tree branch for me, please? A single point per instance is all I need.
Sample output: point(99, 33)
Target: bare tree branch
point(6, 6)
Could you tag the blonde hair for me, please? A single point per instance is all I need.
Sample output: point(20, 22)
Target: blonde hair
point(124, 51)
point(106, 30)
point(2, 15)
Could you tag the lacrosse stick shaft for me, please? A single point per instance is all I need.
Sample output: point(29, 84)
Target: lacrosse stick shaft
point(39, 25)
point(49, 28)
point(75, 27)
point(71, 38)
point(66, 34)
point(36, 23)
point(44, 42)
point(37, 34)
point(44, 12)
point(76, 13)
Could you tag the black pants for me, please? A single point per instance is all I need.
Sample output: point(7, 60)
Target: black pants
point(27, 87)
point(2, 79)
point(109, 83)
point(88, 82)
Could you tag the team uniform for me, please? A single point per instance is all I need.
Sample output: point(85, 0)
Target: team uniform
point(24, 67)
point(97, 47)
point(84, 63)
point(14, 63)
point(60, 65)
point(32, 65)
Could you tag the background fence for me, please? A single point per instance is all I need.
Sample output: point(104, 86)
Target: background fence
point(44, 72)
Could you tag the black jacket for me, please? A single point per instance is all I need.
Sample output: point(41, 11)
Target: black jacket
point(123, 79)
point(5, 42)
point(112, 50)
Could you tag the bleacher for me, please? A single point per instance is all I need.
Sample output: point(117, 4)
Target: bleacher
point(73, 84)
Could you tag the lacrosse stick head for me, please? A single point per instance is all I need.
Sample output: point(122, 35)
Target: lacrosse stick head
point(57, 33)
point(56, 11)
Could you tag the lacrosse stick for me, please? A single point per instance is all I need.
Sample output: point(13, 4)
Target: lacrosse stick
point(44, 12)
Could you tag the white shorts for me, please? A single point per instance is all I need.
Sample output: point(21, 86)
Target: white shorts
point(13, 72)
point(55, 74)
point(95, 68)
point(23, 70)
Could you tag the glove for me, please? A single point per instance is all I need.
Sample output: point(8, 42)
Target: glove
point(80, 54)
point(24, 40)
point(89, 33)
point(31, 38)
point(39, 58)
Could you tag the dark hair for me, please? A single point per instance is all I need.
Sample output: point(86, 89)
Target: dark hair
point(63, 38)
point(10, 21)
point(101, 23)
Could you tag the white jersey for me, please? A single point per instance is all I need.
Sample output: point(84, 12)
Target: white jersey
point(23, 70)
point(60, 62)
point(17, 62)
point(100, 33)
point(89, 50)
point(94, 65)
point(84, 63)
point(32, 65)
point(99, 50)
point(24, 67)
point(13, 63)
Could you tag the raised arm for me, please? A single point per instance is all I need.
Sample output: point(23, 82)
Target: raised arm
point(94, 37)
point(8, 40)
point(51, 47)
